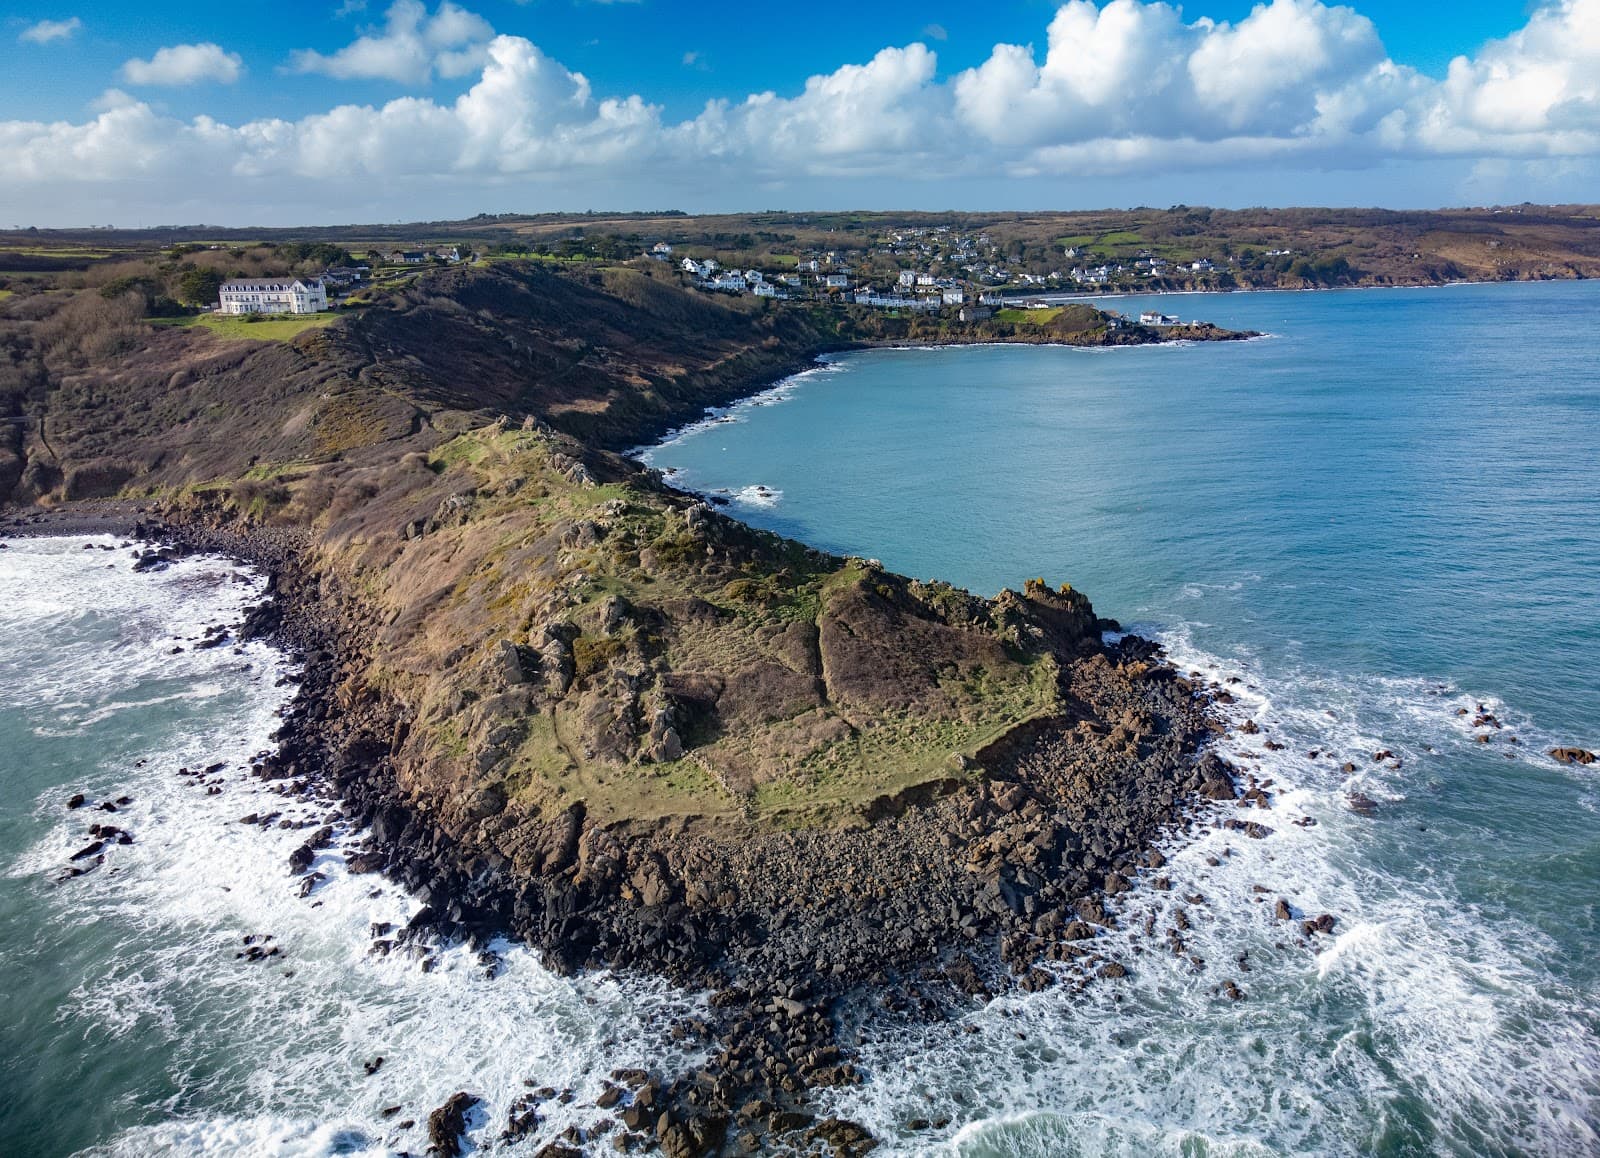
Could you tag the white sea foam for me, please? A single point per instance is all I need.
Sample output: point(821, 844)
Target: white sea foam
point(739, 411)
point(268, 1057)
point(1423, 1025)
point(761, 497)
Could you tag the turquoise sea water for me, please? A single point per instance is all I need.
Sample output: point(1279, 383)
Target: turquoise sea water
point(129, 1023)
point(1386, 511)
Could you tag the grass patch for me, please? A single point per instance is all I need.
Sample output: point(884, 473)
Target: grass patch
point(1027, 317)
point(239, 327)
point(57, 251)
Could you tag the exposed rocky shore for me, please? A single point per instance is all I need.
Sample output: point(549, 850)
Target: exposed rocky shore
point(571, 704)
point(957, 890)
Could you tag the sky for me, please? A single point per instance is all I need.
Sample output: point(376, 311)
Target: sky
point(389, 110)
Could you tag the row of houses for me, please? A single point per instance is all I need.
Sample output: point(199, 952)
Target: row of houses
point(450, 253)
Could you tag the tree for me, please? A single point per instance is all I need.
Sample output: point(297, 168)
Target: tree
point(199, 287)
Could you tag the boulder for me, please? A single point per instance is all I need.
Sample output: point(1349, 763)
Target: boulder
point(448, 1123)
point(1572, 755)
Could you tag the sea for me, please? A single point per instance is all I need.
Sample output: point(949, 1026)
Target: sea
point(1377, 526)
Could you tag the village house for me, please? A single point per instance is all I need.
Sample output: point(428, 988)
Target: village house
point(450, 253)
point(344, 276)
point(1153, 318)
point(976, 313)
point(273, 295)
point(406, 257)
point(661, 249)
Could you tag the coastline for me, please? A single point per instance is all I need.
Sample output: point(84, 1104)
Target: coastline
point(988, 880)
point(1023, 912)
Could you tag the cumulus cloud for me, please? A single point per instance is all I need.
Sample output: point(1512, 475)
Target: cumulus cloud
point(1128, 89)
point(411, 47)
point(1117, 81)
point(1537, 92)
point(185, 64)
point(46, 31)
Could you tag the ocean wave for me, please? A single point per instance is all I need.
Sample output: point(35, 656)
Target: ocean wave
point(1424, 1023)
point(268, 1057)
point(739, 411)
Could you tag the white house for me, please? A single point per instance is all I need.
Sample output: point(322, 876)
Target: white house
point(662, 249)
point(1153, 318)
point(273, 295)
point(908, 278)
point(836, 281)
point(954, 297)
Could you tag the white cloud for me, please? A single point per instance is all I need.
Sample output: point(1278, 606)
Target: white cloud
point(185, 64)
point(1537, 92)
point(1127, 90)
point(46, 31)
point(410, 47)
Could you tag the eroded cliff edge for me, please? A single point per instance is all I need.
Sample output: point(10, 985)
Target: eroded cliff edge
point(572, 702)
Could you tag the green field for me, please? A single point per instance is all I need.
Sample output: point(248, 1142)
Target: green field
point(1027, 317)
point(55, 251)
point(240, 327)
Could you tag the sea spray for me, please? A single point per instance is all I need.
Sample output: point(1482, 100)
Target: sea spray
point(1417, 1026)
point(180, 1042)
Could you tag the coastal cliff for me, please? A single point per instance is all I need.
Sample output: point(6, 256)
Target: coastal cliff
point(573, 703)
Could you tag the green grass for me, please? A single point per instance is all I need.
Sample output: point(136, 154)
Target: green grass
point(5, 293)
point(60, 251)
point(1027, 317)
point(240, 327)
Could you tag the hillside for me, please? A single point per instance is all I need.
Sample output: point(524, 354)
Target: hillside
point(574, 703)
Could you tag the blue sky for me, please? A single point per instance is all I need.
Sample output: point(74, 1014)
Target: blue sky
point(621, 47)
point(119, 108)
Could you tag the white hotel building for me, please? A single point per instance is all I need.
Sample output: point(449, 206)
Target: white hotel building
point(273, 295)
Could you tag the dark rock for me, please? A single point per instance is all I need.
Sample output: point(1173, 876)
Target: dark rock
point(448, 1123)
point(300, 859)
point(76, 800)
point(1572, 755)
point(844, 1138)
point(1361, 804)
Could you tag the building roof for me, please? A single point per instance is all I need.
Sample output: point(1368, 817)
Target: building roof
point(268, 282)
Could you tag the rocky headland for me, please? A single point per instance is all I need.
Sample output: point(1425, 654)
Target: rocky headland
point(571, 703)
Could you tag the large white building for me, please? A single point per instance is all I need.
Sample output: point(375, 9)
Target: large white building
point(273, 295)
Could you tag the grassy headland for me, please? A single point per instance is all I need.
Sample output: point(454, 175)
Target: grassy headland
point(573, 702)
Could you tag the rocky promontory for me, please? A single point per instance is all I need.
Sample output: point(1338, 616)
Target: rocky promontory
point(570, 702)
